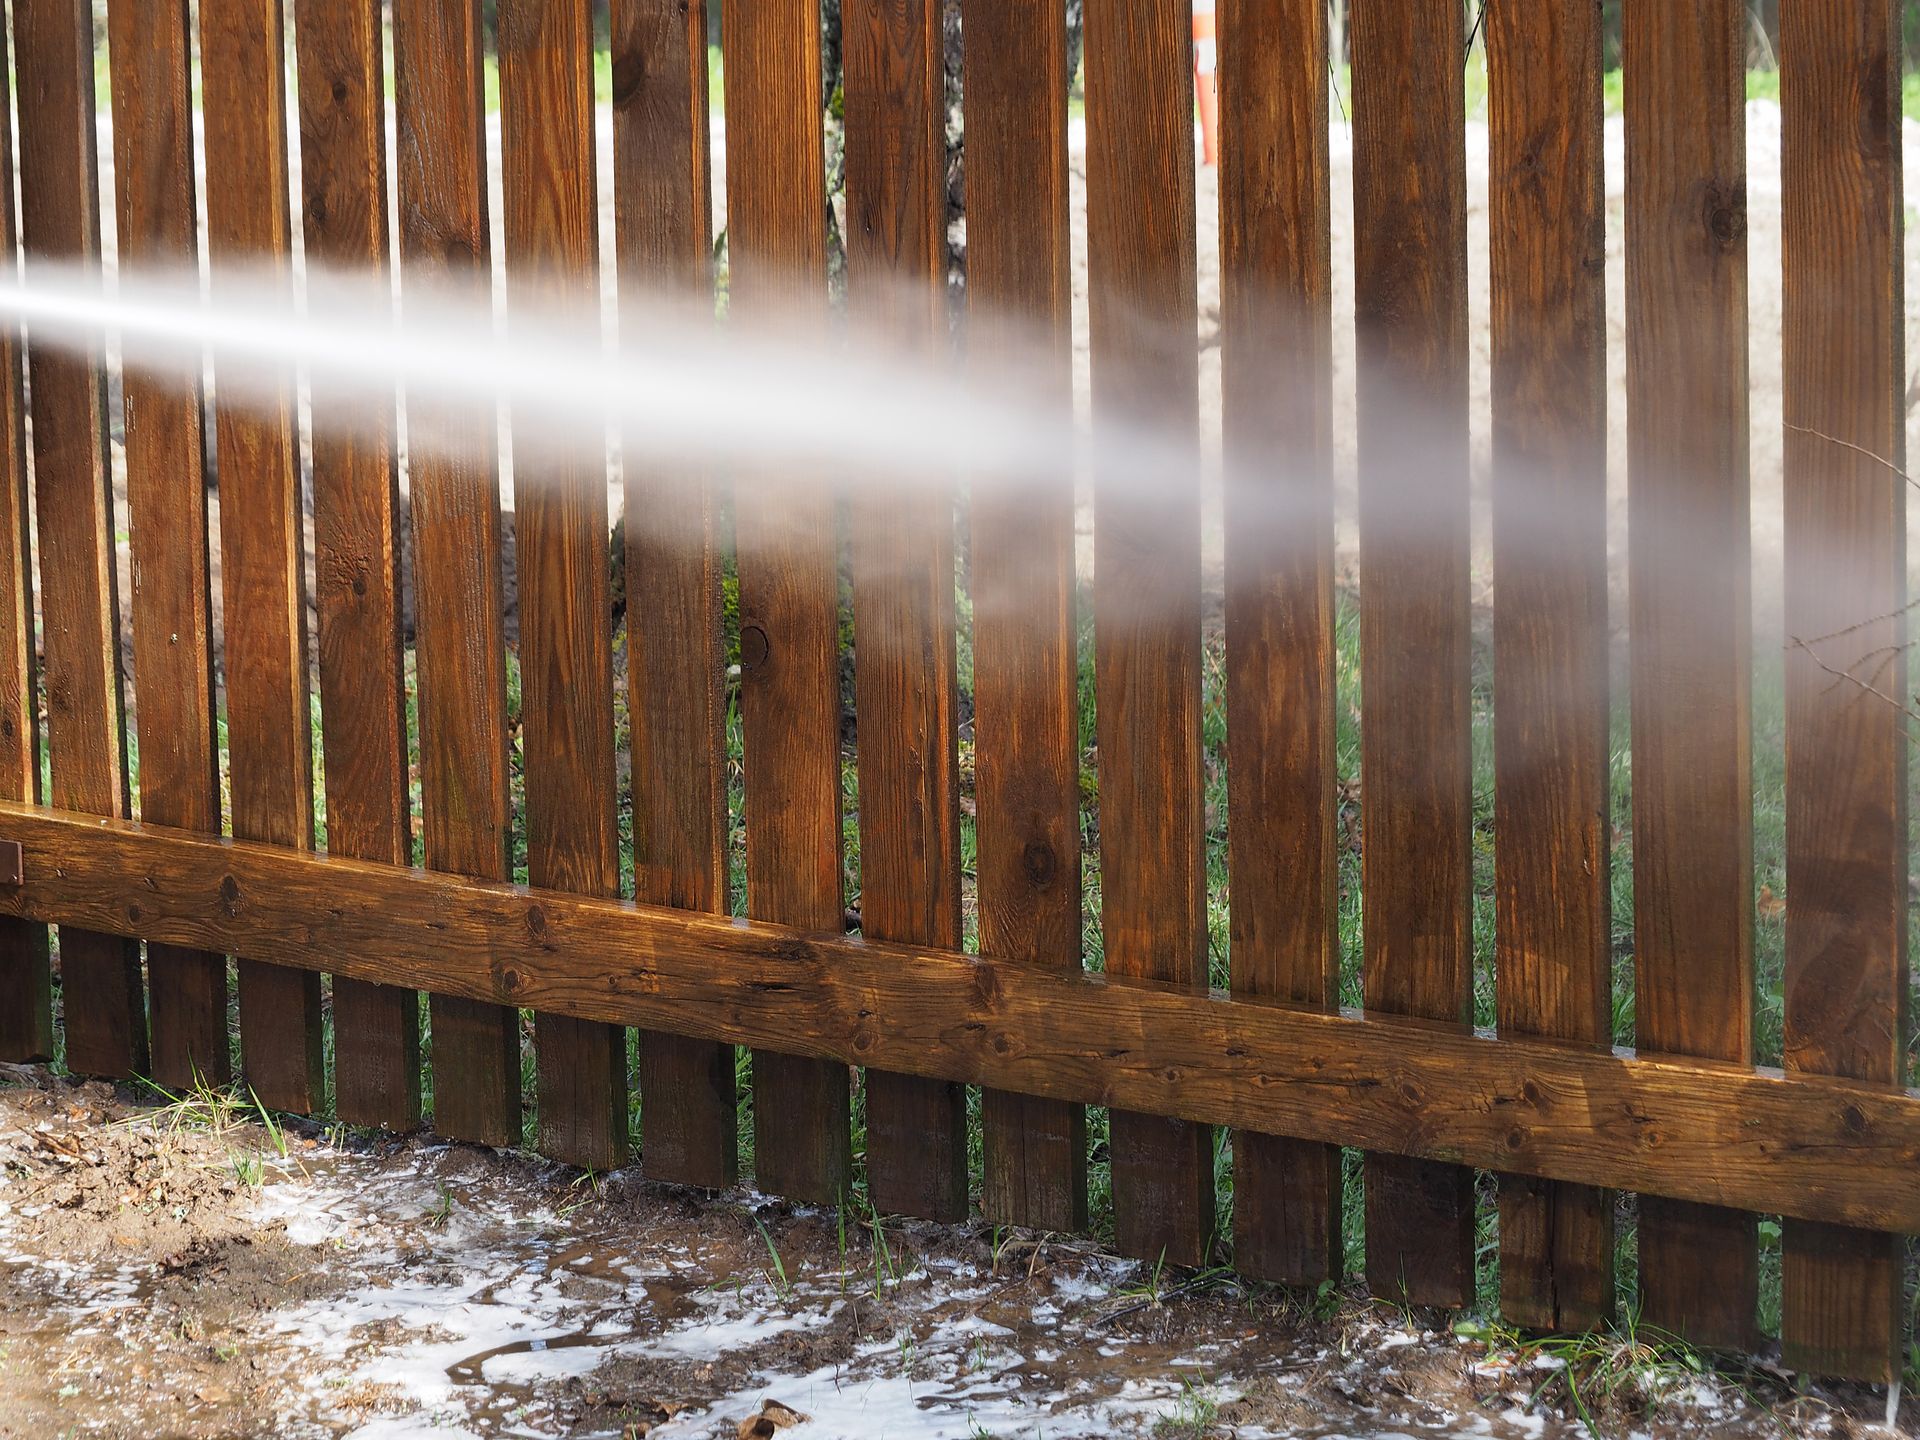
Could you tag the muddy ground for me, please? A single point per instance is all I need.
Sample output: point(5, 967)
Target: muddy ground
point(189, 1272)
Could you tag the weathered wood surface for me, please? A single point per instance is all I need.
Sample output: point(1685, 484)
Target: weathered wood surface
point(26, 973)
point(560, 547)
point(460, 647)
point(102, 994)
point(1847, 759)
point(1277, 381)
point(1141, 257)
point(664, 245)
point(1553, 960)
point(1025, 669)
point(262, 565)
point(905, 681)
point(151, 48)
point(357, 551)
point(1801, 1145)
point(789, 585)
point(1410, 293)
point(1690, 616)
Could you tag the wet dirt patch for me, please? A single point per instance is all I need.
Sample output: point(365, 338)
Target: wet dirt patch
point(170, 1276)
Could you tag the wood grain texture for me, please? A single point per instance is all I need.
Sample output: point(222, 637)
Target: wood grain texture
point(1277, 389)
point(1141, 287)
point(1843, 329)
point(1688, 582)
point(789, 596)
point(1700, 1131)
point(26, 972)
point(903, 614)
point(460, 647)
point(357, 549)
point(1410, 288)
point(102, 993)
point(154, 186)
point(262, 565)
point(1553, 956)
point(1025, 669)
point(560, 547)
point(663, 203)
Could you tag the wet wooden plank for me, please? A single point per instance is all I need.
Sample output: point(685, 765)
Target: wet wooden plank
point(1690, 621)
point(262, 568)
point(1843, 328)
point(1723, 1134)
point(1410, 287)
point(26, 973)
point(357, 551)
point(103, 996)
point(663, 201)
point(1277, 383)
point(1553, 960)
point(1141, 279)
point(167, 500)
point(789, 588)
point(459, 644)
point(560, 547)
point(902, 536)
point(1025, 718)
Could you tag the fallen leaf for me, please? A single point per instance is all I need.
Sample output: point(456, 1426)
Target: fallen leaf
point(1769, 905)
point(773, 1417)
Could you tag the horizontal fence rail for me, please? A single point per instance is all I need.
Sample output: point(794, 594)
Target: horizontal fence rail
point(898, 723)
point(1798, 1145)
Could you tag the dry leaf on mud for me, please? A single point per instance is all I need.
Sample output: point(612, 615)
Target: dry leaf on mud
point(773, 1417)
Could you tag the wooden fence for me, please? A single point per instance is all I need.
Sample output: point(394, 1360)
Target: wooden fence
point(1707, 1139)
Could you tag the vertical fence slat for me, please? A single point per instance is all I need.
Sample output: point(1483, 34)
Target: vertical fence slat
point(105, 1004)
point(1410, 285)
point(1553, 960)
point(904, 675)
point(1141, 279)
point(789, 596)
point(1025, 718)
point(459, 643)
point(167, 499)
point(26, 971)
point(1684, 70)
point(262, 570)
point(560, 546)
point(356, 510)
point(1844, 377)
point(1276, 300)
point(663, 201)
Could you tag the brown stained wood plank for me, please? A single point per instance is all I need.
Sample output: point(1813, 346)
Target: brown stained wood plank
point(1690, 619)
point(1723, 1134)
point(167, 499)
point(1843, 328)
point(663, 202)
point(103, 997)
point(1025, 719)
point(903, 614)
point(1277, 382)
point(26, 973)
point(1141, 267)
point(1410, 287)
point(560, 547)
point(1553, 958)
point(789, 587)
point(459, 641)
point(262, 569)
point(356, 507)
